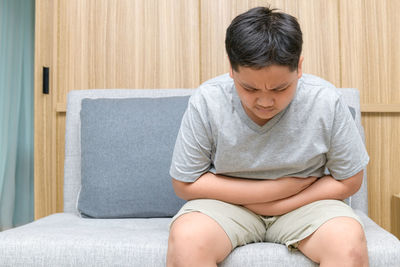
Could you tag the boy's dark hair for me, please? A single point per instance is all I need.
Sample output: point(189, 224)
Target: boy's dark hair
point(262, 37)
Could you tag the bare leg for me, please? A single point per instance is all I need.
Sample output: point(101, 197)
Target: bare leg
point(195, 239)
point(338, 242)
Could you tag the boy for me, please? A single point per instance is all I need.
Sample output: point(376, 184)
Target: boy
point(252, 151)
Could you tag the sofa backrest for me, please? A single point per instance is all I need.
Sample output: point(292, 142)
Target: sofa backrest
point(360, 199)
point(72, 163)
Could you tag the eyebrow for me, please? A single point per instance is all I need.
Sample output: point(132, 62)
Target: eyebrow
point(276, 88)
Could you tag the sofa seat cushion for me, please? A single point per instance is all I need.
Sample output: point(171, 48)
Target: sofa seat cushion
point(65, 239)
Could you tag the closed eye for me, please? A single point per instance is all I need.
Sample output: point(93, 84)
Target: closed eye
point(280, 90)
point(250, 89)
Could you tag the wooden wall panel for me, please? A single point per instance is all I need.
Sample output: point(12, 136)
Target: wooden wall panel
point(58, 183)
point(104, 44)
point(382, 141)
point(318, 20)
point(370, 41)
point(396, 215)
point(370, 61)
point(44, 130)
point(127, 44)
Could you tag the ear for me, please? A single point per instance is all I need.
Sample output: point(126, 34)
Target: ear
point(300, 67)
point(230, 71)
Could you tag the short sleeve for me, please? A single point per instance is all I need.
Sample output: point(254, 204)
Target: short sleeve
point(192, 153)
point(347, 154)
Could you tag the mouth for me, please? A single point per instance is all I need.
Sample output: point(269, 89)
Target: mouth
point(265, 109)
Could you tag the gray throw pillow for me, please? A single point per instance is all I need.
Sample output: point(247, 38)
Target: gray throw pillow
point(126, 150)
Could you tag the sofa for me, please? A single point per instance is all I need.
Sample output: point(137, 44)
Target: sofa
point(118, 197)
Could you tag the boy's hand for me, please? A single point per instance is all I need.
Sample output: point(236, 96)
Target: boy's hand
point(290, 186)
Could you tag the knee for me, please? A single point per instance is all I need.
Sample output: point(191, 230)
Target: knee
point(351, 243)
point(355, 247)
point(183, 241)
point(186, 245)
point(182, 237)
point(338, 242)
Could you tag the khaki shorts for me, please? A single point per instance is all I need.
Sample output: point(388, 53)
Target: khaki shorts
point(243, 226)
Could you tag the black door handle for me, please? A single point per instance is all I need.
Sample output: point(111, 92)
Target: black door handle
point(45, 80)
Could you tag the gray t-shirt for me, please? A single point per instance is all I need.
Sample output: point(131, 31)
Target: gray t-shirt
point(315, 133)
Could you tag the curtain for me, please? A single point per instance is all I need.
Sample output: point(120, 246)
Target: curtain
point(16, 112)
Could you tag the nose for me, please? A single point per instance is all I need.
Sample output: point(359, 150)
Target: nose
point(265, 100)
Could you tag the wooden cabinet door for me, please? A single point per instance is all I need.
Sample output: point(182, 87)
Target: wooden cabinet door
point(93, 44)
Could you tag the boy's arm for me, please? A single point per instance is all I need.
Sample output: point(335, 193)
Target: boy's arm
point(240, 191)
point(324, 188)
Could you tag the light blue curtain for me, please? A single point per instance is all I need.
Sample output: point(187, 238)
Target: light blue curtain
point(16, 112)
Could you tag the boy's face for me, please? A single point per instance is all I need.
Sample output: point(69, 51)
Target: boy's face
point(267, 91)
